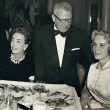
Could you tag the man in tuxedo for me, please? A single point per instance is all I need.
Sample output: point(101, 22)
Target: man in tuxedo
point(59, 47)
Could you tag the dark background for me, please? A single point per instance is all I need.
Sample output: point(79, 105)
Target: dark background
point(18, 12)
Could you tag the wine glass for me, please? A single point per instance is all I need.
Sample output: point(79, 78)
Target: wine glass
point(41, 87)
point(7, 90)
point(8, 97)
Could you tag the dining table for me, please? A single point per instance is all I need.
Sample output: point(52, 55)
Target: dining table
point(52, 88)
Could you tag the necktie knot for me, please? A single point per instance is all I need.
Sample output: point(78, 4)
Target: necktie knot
point(63, 34)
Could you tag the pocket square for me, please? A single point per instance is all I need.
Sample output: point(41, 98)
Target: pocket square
point(75, 49)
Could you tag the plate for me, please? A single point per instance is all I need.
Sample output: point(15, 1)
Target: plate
point(19, 94)
point(28, 99)
point(58, 101)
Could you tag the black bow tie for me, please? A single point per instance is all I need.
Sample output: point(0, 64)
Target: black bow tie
point(63, 34)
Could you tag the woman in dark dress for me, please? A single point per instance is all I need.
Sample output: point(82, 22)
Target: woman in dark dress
point(20, 64)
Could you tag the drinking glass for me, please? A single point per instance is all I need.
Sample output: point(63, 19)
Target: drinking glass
point(7, 90)
point(41, 87)
point(8, 97)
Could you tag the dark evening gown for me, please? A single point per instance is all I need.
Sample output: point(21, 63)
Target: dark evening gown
point(18, 72)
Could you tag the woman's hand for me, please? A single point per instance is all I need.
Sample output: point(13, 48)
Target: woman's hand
point(85, 100)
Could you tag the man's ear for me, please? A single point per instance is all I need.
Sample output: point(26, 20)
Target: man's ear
point(53, 18)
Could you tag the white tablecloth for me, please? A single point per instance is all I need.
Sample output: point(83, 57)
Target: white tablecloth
point(52, 87)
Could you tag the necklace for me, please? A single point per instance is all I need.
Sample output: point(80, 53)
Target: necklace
point(16, 61)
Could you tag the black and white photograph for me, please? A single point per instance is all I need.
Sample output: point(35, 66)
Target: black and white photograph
point(55, 54)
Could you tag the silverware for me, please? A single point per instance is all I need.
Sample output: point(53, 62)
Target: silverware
point(69, 99)
point(66, 97)
point(57, 109)
point(31, 90)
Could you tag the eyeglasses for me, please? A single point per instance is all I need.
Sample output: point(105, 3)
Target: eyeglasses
point(65, 20)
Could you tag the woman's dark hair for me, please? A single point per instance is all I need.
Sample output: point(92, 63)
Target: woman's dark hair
point(24, 32)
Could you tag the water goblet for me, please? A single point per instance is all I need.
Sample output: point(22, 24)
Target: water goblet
point(6, 90)
point(8, 97)
point(41, 87)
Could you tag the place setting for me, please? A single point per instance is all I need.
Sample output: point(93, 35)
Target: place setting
point(9, 95)
point(38, 95)
point(58, 100)
point(35, 94)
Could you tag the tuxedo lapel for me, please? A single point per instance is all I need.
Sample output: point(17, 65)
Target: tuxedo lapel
point(66, 51)
point(53, 50)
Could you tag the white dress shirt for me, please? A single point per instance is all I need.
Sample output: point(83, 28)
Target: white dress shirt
point(60, 43)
